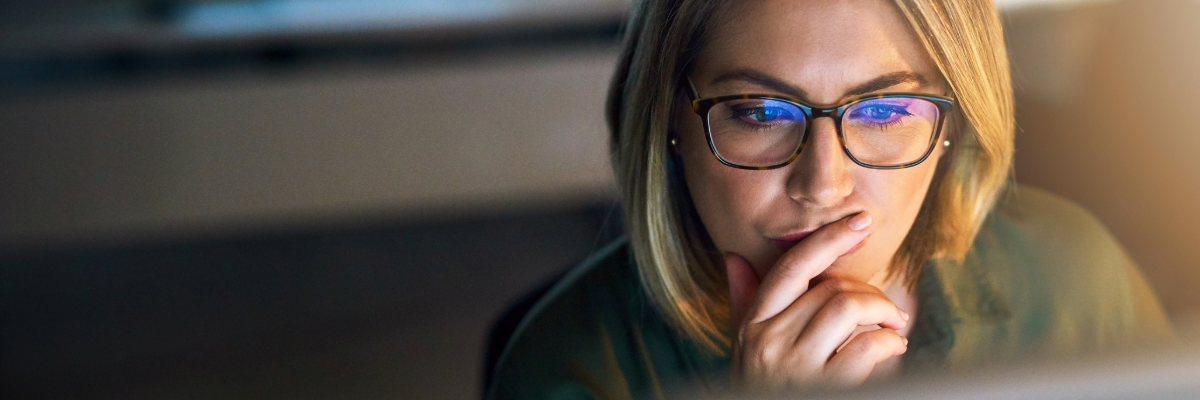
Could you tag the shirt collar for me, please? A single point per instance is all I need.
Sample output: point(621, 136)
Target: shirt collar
point(951, 295)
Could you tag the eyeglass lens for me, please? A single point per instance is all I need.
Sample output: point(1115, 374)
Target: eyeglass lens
point(879, 132)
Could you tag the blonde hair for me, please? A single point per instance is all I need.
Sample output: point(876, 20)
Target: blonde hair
point(680, 268)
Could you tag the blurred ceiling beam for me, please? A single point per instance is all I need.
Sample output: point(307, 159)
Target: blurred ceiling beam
point(76, 28)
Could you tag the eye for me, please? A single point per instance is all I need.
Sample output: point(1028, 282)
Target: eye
point(764, 114)
point(879, 113)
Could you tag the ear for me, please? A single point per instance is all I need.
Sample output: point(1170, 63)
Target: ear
point(951, 138)
point(680, 109)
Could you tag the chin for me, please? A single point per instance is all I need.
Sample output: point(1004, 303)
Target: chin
point(848, 272)
point(851, 267)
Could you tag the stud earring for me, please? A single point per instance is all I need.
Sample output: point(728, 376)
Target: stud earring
point(672, 142)
point(946, 143)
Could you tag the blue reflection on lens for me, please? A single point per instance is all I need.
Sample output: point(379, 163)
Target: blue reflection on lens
point(879, 113)
point(766, 112)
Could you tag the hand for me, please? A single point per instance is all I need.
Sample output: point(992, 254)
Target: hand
point(787, 336)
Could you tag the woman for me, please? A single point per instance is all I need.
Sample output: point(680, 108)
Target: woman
point(816, 194)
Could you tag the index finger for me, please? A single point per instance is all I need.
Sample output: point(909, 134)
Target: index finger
point(790, 276)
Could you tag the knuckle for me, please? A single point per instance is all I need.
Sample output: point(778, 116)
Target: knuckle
point(757, 336)
point(769, 353)
point(748, 337)
point(766, 330)
point(763, 348)
point(763, 356)
point(837, 285)
point(744, 333)
point(846, 303)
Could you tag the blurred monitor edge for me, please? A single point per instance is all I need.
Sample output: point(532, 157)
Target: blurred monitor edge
point(1164, 373)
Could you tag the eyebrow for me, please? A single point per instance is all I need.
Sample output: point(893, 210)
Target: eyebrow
point(765, 80)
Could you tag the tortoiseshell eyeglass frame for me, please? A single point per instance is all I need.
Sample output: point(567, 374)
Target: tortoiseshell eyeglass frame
point(703, 106)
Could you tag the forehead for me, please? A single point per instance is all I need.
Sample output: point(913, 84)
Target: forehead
point(820, 46)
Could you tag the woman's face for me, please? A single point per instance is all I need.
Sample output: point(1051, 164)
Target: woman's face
point(821, 52)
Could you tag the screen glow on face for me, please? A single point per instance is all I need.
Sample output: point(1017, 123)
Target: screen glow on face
point(883, 131)
point(889, 131)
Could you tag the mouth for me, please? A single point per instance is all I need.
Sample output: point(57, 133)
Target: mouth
point(786, 242)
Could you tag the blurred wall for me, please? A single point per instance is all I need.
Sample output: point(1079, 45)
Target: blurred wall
point(1106, 102)
point(337, 229)
point(317, 145)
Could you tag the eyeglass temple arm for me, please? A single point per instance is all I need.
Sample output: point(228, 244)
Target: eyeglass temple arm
point(695, 95)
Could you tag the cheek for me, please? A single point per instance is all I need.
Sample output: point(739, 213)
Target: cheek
point(727, 199)
point(896, 195)
point(724, 197)
point(899, 194)
point(895, 198)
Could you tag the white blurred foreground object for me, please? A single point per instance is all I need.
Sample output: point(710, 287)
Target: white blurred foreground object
point(1164, 374)
point(1012, 4)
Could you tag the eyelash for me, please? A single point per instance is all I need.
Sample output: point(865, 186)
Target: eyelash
point(747, 111)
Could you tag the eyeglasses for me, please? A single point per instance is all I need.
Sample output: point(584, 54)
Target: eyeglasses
point(761, 132)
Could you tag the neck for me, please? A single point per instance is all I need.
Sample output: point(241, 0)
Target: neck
point(896, 288)
point(898, 292)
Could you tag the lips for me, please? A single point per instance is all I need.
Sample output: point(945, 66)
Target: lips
point(786, 242)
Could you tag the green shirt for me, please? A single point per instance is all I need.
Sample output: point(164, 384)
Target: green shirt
point(1044, 277)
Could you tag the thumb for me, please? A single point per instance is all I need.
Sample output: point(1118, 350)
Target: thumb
point(743, 285)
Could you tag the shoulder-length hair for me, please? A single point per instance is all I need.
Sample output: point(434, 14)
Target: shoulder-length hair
point(680, 269)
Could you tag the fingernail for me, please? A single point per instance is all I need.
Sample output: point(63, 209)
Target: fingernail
point(860, 221)
point(905, 340)
point(904, 315)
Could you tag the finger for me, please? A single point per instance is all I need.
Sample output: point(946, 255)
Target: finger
point(843, 313)
point(801, 312)
point(743, 285)
point(854, 363)
point(790, 277)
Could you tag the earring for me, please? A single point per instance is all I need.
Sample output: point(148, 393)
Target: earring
point(672, 142)
point(946, 143)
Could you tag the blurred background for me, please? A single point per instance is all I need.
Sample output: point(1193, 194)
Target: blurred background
point(337, 198)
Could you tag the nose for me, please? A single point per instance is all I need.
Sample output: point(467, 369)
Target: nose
point(821, 175)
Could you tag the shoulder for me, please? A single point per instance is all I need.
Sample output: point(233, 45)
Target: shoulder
point(593, 335)
point(551, 339)
point(1070, 284)
point(1035, 214)
point(1050, 238)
